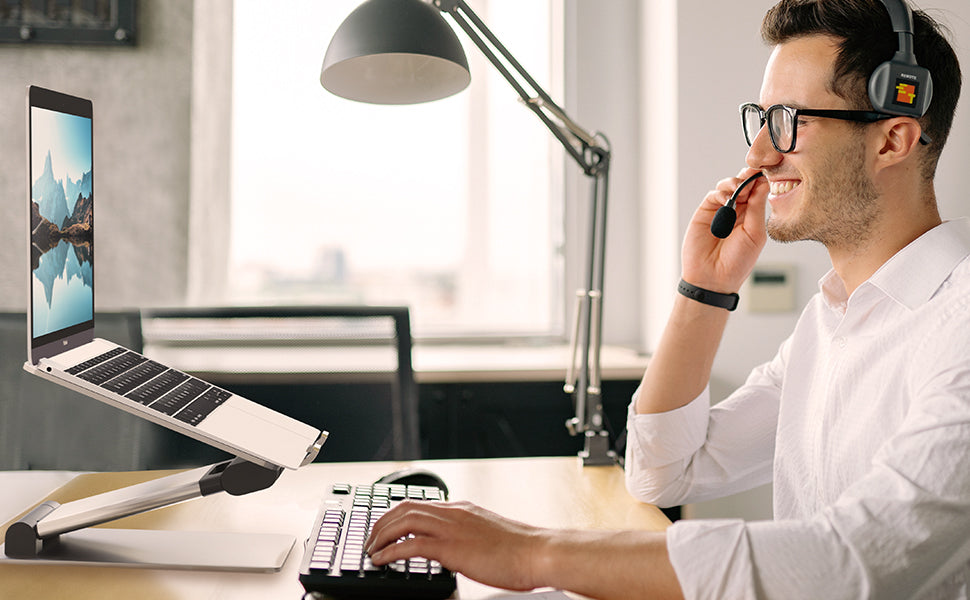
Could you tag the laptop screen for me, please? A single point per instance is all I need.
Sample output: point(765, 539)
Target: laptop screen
point(61, 218)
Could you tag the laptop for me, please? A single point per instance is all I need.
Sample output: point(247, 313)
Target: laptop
point(61, 346)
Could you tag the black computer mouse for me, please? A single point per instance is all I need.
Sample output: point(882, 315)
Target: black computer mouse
point(415, 476)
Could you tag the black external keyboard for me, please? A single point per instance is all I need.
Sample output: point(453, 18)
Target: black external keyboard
point(335, 564)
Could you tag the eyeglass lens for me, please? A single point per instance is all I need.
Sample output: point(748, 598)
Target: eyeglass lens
point(781, 125)
point(752, 121)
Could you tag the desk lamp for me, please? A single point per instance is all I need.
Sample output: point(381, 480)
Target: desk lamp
point(403, 52)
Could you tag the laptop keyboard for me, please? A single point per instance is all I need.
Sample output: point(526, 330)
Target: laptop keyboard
point(334, 561)
point(147, 382)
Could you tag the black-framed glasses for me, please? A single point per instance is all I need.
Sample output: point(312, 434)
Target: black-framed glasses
point(783, 122)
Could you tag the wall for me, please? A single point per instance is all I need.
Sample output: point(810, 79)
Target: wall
point(141, 101)
point(602, 89)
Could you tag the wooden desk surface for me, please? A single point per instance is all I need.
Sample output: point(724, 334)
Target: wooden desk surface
point(555, 492)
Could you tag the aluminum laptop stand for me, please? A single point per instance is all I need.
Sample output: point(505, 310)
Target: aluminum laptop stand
point(53, 533)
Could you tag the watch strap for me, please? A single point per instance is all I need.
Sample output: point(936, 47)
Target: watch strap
point(698, 294)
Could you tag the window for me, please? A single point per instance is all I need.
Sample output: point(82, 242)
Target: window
point(452, 207)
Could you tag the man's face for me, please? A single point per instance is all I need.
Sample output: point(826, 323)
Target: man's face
point(822, 190)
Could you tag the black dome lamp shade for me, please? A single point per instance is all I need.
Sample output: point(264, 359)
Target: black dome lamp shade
point(395, 52)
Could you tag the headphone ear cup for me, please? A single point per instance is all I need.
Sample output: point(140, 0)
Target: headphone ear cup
point(879, 87)
point(903, 89)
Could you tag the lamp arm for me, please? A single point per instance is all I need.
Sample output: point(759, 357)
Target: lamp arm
point(590, 155)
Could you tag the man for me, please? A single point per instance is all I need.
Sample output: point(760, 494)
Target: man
point(862, 420)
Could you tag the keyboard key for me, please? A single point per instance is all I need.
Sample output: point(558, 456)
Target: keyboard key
point(321, 565)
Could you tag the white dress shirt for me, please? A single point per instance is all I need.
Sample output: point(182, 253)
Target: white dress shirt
point(862, 421)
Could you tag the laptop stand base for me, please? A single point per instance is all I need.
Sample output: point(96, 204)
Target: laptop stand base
point(67, 534)
point(162, 549)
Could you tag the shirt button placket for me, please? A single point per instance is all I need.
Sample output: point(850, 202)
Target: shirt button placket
point(838, 345)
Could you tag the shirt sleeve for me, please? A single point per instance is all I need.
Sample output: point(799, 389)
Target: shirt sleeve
point(900, 531)
point(699, 452)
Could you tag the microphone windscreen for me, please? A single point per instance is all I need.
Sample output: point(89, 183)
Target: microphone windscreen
point(723, 222)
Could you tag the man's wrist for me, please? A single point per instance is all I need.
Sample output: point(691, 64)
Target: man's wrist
point(699, 294)
point(544, 563)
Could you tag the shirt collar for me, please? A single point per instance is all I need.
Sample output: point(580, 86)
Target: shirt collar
point(916, 272)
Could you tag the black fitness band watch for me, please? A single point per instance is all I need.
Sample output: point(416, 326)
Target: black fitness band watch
point(727, 301)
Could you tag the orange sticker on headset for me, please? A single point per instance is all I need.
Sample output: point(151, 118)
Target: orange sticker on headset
point(905, 93)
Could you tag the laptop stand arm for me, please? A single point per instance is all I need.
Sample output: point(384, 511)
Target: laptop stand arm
point(42, 525)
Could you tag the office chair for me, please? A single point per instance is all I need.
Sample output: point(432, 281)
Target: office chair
point(371, 414)
point(46, 426)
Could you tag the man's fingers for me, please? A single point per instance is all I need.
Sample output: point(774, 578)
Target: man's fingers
point(408, 547)
point(406, 519)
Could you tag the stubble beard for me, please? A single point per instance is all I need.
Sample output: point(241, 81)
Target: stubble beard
point(841, 208)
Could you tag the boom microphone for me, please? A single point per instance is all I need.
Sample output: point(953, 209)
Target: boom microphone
point(723, 222)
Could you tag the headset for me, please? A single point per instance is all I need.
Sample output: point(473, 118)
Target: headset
point(899, 86)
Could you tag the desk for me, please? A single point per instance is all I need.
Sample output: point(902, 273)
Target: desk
point(553, 492)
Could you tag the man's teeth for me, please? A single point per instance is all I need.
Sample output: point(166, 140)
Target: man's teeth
point(782, 187)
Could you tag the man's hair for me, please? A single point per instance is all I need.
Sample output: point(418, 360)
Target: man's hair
point(867, 40)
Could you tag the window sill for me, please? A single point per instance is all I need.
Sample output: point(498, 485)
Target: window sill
point(459, 363)
point(433, 363)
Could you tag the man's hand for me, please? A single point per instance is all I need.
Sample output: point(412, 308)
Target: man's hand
point(722, 265)
point(461, 536)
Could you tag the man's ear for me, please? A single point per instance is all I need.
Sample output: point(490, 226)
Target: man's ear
point(899, 138)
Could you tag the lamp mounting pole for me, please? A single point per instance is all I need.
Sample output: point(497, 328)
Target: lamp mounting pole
point(591, 152)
